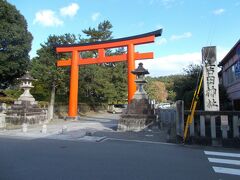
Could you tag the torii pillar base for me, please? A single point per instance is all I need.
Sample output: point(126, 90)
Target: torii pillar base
point(72, 118)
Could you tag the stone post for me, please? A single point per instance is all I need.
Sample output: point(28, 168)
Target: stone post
point(24, 127)
point(44, 129)
point(2, 120)
point(236, 124)
point(224, 126)
point(202, 126)
point(179, 118)
point(213, 127)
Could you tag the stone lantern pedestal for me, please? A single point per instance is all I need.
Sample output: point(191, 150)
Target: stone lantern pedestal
point(139, 113)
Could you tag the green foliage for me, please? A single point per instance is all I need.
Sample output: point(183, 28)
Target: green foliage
point(15, 44)
point(180, 87)
point(44, 69)
point(185, 85)
point(102, 33)
point(13, 93)
point(7, 100)
point(168, 82)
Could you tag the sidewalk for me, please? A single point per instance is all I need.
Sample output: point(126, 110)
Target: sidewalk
point(60, 129)
point(93, 127)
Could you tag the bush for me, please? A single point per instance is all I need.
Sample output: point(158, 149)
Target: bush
point(13, 93)
point(7, 100)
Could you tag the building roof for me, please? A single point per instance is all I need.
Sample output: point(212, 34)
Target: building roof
point(230, 53)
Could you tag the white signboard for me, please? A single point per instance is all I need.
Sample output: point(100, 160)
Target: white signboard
point(211, 81)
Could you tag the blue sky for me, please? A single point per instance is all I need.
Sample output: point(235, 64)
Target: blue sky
point(187, 25)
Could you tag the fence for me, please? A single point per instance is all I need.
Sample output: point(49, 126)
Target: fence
point(215, 124)
point(207, 125)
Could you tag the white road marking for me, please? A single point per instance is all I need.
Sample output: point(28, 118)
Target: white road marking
point(226, 170)
point(139, 141)
point(222, 154)
point(224, 161)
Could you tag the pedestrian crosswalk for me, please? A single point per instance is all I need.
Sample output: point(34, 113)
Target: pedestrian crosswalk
point(224, 162)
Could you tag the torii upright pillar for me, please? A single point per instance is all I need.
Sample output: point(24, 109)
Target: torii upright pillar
point(101, 47)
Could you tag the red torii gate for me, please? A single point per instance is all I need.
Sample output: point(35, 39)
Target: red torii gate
point(100, 47)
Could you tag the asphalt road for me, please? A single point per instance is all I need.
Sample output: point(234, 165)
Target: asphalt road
point(112, 159)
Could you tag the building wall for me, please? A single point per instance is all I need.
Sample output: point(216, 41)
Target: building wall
point(231, 74)
point(231, 80)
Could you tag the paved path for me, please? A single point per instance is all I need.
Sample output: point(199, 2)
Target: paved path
point(99, 126)
point(60, 129)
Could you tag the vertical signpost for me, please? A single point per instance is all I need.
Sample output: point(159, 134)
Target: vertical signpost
point(211, 81)
point(210, 85)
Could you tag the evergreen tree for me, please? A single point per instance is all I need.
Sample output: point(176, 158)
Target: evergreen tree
point(15, 44)
point(50, 77)
point(102, 83)
point(102, 33)
point(185, 85)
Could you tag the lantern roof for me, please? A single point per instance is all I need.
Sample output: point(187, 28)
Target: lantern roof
point(140, 70)
point(26, 76)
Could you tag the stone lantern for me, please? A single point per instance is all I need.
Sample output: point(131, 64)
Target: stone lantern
point(139, 113)
point(140, 81)
point(25, 109)
point(26, 85)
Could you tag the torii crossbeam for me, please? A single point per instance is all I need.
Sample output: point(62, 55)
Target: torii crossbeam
point(101, 47)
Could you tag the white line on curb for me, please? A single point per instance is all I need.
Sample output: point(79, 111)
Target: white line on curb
point(138, 141)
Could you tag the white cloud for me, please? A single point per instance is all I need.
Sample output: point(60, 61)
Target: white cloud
point(162, 41)
point(47, 18)
point(95, 16)
point(218, 11)
point(175, 63)
point(181, 36)
point(70, 10)
point(171, 64)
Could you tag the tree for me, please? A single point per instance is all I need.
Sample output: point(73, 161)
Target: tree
point(185, 85)
point(43, 67)
point(157, 90)
point(15, 44)
point(102, 33)
point(102, 83)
